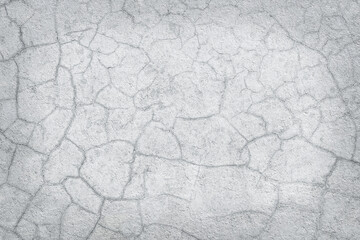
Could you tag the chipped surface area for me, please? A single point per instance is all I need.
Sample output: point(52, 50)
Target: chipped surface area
point(179, 119)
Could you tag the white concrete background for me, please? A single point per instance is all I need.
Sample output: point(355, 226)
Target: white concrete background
point(179, 119)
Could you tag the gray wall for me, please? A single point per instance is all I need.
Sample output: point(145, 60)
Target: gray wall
point(179, 119)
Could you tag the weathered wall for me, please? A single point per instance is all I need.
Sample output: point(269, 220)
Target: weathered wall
point(179, 119)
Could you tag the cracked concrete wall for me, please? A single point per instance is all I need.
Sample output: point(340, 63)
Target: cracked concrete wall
point(179, 119)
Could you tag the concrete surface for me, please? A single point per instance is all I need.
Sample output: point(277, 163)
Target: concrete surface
point(179, 119)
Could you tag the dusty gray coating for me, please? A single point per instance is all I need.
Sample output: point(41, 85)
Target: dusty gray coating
point(179, 119)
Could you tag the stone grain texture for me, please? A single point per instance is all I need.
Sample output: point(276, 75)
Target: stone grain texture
point(179, 119)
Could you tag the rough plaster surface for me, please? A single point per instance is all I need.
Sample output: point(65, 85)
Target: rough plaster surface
point(179, 119)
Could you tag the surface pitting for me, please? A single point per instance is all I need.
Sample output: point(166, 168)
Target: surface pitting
point(179, 119)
